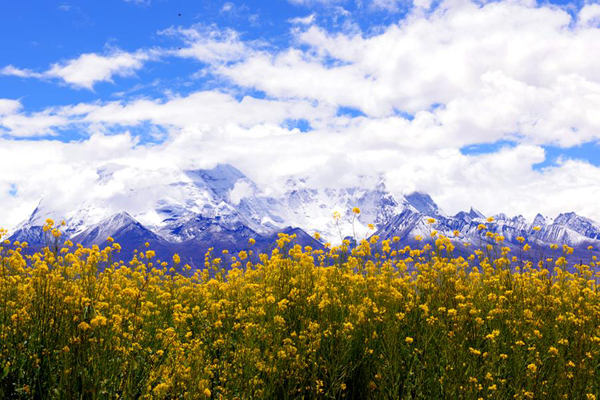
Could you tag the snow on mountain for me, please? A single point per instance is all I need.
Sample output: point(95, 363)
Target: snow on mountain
point(312, 209)
point(122, 227)
point(424, 204)
point(77, 220)
point(570, 228)
point(188, 211)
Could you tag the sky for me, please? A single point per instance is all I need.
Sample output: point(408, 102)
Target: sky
point(493, 105)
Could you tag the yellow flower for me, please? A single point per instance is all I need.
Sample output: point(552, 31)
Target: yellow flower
point(176, 258)
point(84, 326)
point(536, 228)
point(98, 320)
point(207, 392)
point(490, 219)
point(532, 367)
point(474, 351)
point(356, 210)
point(430, 221)
point(409, 340)
point(251, 241)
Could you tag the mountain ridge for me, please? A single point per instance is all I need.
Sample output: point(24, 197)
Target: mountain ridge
point(222, 208)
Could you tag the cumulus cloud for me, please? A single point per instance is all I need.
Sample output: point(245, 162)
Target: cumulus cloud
point(88, 69)
point(504, 68)
point(589, 15)
point(9, 106)
point(199, 109)
point(209, 44)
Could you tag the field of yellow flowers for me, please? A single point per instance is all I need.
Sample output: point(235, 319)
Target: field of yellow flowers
point(375, 321)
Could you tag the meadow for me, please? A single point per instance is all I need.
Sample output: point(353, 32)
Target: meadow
point(380, 320)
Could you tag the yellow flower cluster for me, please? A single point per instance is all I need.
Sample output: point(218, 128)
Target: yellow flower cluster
point(380, 320)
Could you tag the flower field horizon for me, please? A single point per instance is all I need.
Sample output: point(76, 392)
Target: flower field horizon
point(374, 321)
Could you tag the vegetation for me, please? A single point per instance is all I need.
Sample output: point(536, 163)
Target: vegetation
point(375, 321)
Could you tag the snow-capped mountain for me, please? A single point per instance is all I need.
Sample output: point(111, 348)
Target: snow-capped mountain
point(312, 209)
point(570, 228)
point(189, 211)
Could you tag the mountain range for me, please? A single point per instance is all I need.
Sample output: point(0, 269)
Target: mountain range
point(222, 208)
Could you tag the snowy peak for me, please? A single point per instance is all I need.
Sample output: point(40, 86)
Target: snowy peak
point(541, 221)
point(583, 226)
point(122, 227)
point(473, 213)
point(423, 203)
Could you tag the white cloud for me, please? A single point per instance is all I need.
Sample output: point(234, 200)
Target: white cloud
point(9, 106)
point(502, 181)
point(209, 109)
point(139, 2)
point(11, 70)
point(504, 69)
point(388, 5)
point(209, 44)
point(308, 20)
point(88, 69)
point(315, 2)
point(589, 15)
point(240, 191)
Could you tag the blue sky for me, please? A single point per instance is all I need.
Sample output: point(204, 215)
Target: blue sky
point(40, 33)
point(437, 96)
